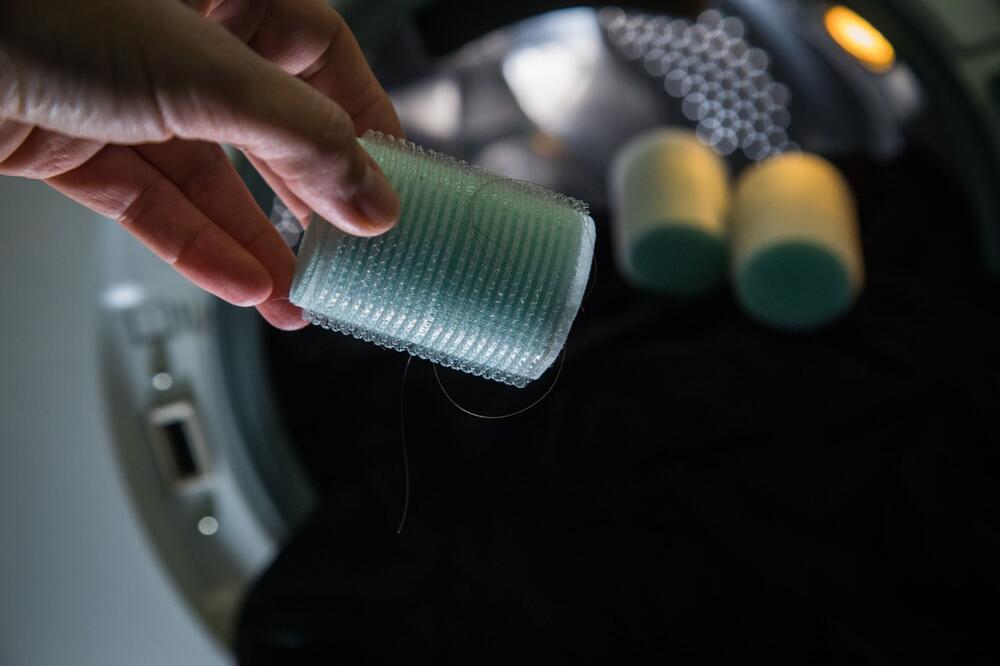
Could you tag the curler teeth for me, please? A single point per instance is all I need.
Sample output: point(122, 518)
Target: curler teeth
point(482, 274)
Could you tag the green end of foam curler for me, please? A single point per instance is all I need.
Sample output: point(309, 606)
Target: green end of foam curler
point(669, 195)
point(795, 285)
point(678, 259)
point(482, 274)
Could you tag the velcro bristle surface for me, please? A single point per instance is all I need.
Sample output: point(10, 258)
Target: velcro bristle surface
point(482, 274)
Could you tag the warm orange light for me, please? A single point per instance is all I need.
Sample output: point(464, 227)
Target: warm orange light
point(860, 38)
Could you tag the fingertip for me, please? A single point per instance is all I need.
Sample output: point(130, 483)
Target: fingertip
point(376, 201)
point(350, 217)
point(282, 314)
point(250, 289)
point(218, 264)
point(368, 229)
point(245, 299)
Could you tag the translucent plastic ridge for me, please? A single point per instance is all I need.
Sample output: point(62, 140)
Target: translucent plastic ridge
point(482, 274)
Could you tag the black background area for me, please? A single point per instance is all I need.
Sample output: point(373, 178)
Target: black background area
point(696, 487)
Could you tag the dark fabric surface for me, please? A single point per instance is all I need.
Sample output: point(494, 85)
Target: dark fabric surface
point(696, 488)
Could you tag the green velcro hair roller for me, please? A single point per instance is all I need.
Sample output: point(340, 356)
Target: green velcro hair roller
point(482, 274)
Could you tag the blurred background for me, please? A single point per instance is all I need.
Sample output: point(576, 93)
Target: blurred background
point(181, 484)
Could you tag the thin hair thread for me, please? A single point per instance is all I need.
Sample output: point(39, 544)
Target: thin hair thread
point(402, 443)
point(500, 417)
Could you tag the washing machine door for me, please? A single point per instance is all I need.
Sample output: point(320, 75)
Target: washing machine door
point(204, 456)
point(695, 487)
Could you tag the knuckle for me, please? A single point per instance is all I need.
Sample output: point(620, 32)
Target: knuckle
point(41, 154)
point(200, 181)
point(133, 216)
point(189, 241)
point(13, 134)
point(369, 96)
point(337, 31)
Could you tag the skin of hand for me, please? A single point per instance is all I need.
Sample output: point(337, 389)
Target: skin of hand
point(122, 104)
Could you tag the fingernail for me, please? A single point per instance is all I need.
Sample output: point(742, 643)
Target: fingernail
point(376, 199)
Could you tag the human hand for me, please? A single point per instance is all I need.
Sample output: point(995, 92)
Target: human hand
point(121, 105)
